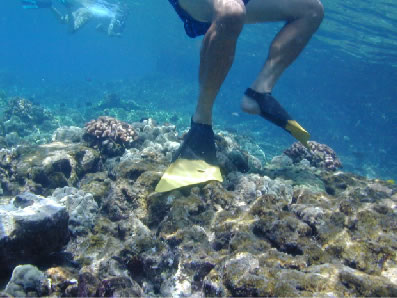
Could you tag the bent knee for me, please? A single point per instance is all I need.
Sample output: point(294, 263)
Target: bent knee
point(315, 11)
point(230, 14)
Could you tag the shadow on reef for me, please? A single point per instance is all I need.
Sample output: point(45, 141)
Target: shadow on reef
point(84, 215)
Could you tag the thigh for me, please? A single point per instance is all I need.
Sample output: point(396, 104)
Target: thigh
point(260, 11)
point(201, 10)
point(206, 10)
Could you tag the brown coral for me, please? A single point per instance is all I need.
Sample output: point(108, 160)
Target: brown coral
point(319, 156)
point(108, 128)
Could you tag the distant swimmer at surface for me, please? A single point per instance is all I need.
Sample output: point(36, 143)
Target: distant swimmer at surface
point(110, 17)
point(221, 22)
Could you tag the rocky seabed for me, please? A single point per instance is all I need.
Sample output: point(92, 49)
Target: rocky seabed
point(82, 219)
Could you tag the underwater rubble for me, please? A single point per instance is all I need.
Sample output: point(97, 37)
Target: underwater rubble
point(79, 217)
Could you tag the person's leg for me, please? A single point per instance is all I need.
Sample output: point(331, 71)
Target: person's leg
point(303, 19)
point(218, 48)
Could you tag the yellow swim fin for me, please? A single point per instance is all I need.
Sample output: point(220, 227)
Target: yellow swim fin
point(298, 132)
point(184, 172)
point(194, 162)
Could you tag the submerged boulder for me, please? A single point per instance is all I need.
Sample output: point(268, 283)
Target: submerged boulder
point(32, 228)
point(46, 167)
point(68, 134)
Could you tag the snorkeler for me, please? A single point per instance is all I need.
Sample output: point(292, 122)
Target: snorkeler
point(64, 18)
point(79, 12)
point(221, 22)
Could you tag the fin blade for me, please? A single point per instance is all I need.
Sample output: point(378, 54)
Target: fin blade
point(185, 172)
point(298, 132)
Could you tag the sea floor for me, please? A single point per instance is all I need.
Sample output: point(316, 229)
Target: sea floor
point(80, 217)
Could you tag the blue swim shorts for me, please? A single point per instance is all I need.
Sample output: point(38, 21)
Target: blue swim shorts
point(193, 27)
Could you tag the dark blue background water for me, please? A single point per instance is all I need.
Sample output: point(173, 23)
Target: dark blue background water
point(344, 99)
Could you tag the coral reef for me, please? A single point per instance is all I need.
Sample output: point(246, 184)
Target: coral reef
point(25, 110)
point(8, 171)
point(110, 134)
point(81, 207)
point(319, 156)
point(105, 128)
point(288, 228)
point(232, 158)
point(23, 119)
point(27, 281)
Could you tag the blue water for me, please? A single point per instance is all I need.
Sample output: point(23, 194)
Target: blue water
point(342, 88)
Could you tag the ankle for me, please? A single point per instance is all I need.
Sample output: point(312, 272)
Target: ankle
point(261, 87)
point(202, 119)
point(252, 93)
